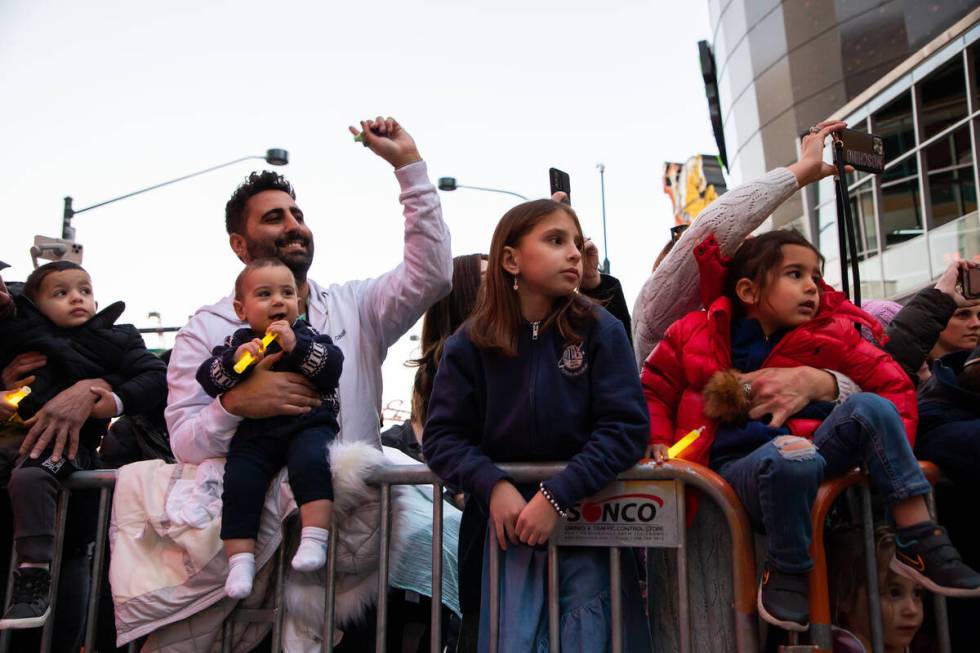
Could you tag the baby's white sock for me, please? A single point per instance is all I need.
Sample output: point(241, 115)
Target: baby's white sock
point(241, 572)
point(312, 551)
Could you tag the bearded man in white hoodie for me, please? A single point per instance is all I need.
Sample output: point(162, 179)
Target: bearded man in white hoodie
point(364, 318)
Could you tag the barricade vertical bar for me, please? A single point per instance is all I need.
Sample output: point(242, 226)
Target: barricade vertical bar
point(381, 627)
point(278, 597)
point(131, 647)
point(7, 634)
point(683, 599)
point(98, 557)
point(331, 589)
point(493, 564)
point(871, 569)
point(553, 616)
point(616, 598)
point(435, 627)
point(938, 600)
point(47, 634)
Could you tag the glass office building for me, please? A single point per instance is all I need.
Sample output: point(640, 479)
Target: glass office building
point(908, 71)
point(921, 214)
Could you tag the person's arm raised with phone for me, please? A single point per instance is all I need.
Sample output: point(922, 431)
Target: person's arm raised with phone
point(672, 290)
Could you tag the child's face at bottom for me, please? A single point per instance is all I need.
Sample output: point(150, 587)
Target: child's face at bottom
point(901, 612)
point(792, 295)
point(268, 295)
point(66, 298)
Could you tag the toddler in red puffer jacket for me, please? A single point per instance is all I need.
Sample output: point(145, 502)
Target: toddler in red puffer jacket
point(769, 307)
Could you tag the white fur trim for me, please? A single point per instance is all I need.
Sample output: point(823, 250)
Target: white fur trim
point(356, 511)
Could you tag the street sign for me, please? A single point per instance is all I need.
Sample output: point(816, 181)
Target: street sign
point(626, 513)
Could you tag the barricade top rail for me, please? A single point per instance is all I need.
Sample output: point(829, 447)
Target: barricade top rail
point(677, 469)
point(419, 474)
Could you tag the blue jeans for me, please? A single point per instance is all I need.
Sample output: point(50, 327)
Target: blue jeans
point(778, 482)
point(585, 621)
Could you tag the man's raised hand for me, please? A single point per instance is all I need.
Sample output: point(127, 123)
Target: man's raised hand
point(387, 139)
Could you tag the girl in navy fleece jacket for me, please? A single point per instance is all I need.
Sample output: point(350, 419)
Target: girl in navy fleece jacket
point(538, 373)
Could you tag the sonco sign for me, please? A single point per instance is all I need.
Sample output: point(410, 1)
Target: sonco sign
point(627, 513)
point(628, 508)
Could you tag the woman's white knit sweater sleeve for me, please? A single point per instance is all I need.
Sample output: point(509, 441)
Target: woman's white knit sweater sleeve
point(672, 290)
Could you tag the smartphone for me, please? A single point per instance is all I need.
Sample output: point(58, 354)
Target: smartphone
point(970, 281)
point(560, 182)
point(862, 151)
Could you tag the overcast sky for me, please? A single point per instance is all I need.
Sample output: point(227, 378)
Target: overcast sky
point(102, 98)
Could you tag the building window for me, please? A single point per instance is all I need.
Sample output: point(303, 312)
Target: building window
point(975, 53)
point(863, 214)
point(894, 124)
point(900, 215)
point(952, 189)
point(943, 97)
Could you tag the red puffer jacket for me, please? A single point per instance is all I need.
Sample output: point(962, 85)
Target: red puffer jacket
point(699, 344)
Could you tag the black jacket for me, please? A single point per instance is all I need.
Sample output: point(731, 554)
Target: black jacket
point(100, 348)
point(915, 330)
point(314, 356)
point(609, 293)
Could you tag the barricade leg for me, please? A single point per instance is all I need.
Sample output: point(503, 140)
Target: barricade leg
point(6, 635)
point(381, 626)
point(683, 595)
point(98, 560)
point(616, 598)
point(820, 616)
point(553, 615)
point(435, 626)
point(871, 571)
point(278, 606)
point(331, 589)
point(493, 564)
point(938, 600)
point(47, 634)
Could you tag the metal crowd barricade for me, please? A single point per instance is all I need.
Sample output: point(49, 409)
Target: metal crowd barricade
point(689, 474)
point(820, 613)
point(103, 480)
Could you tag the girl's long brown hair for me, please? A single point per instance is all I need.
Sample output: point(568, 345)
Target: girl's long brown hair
point(441, 321)
point(497, 317)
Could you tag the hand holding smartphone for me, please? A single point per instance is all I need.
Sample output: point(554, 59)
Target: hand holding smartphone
point(970, 282)
point(862, 151)
point(560, 182)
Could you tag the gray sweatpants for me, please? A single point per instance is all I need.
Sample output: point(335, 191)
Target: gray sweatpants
point(32, 485)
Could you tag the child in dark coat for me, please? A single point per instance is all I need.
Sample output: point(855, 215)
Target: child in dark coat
point(56, 316)
point(539, 373)
point(266, 298)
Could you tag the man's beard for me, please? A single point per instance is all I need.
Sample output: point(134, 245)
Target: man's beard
point(298, 262)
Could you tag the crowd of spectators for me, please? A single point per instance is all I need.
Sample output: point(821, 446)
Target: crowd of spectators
point(528, 354)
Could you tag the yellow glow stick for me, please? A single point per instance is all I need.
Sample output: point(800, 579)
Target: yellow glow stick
point(247, 359)
point(14, 396)
point(678, 447)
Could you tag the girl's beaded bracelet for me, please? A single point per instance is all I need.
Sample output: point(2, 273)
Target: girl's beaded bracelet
point(551, 499)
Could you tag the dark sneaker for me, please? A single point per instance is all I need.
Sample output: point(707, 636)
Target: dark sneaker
point(783, 600)
point(30, 605)
point(932, 561)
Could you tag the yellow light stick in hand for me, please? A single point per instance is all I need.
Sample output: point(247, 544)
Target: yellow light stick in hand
point(678, 447)
point(14, 396)
point(247, 359)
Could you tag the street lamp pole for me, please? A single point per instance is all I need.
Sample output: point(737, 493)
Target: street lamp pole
point(275, 156)
point(449, 183)
point(605, 240)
